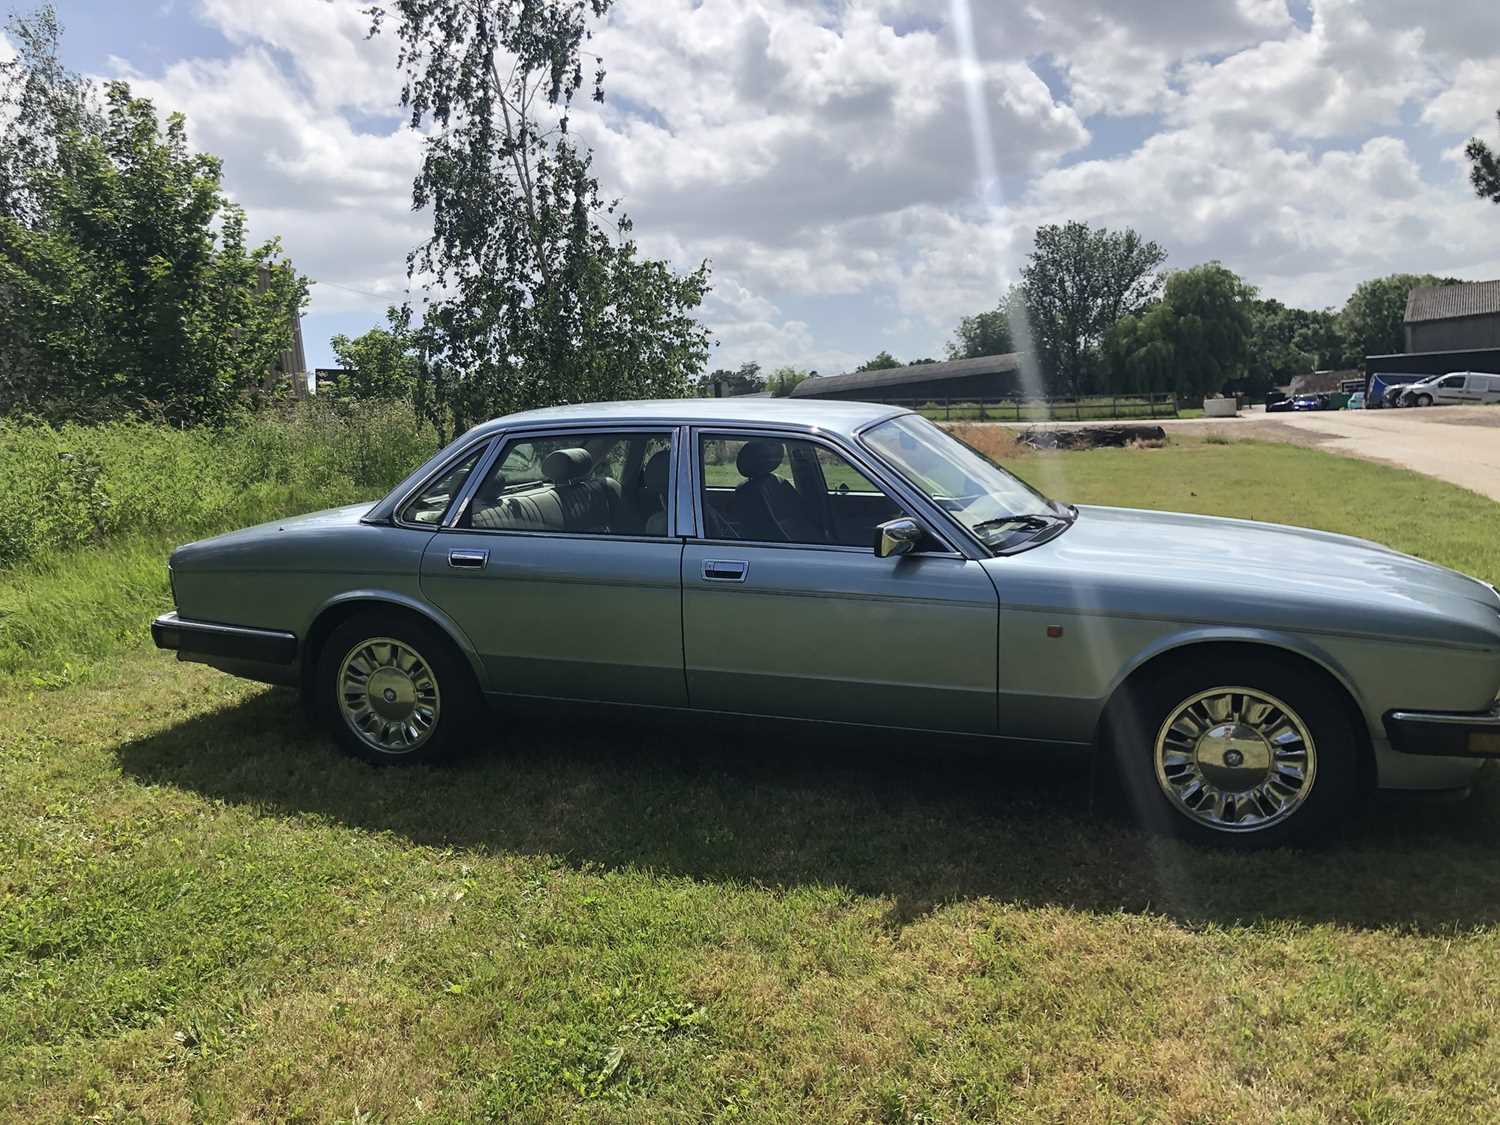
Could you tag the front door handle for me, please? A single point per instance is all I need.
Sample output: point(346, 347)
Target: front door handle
point(467, 560)
point(725, 570)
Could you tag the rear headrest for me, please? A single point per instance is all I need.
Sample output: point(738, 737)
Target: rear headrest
point(657, 469)
point(759, 458)
point(564, 466)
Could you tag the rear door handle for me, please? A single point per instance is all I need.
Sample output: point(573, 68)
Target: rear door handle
point(725, 570)
point(467, 559)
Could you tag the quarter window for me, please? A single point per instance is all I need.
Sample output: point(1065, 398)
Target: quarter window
point(580, 483)
point(774, 490)
point(432, 502)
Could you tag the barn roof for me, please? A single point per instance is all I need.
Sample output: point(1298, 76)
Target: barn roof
point(911, 373)
point(1449, 302)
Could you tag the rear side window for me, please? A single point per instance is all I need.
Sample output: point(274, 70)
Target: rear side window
point(431, 503)
point(576, 483)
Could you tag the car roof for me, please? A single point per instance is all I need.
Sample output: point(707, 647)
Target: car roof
point(801, 413)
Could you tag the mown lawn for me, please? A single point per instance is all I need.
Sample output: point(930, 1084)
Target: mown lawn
point(206, 914)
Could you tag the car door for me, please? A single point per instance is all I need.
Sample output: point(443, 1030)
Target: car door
point(787, 611)
point(563, 568)
point(1450, 390)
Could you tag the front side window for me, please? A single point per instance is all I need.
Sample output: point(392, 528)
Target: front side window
point(580, 483)
point(1453, 381)
point(774, 490)
point(432, 501)
point(1002, 511)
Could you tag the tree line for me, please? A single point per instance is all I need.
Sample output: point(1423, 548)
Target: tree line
point(1096, 312)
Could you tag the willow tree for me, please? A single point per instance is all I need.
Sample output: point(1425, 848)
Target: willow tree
point(533, 291)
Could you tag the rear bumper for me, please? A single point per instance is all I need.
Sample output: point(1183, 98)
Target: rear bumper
point(209, 642)
point(1446, 734)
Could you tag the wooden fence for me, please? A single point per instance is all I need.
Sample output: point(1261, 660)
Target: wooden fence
point(1040, 409)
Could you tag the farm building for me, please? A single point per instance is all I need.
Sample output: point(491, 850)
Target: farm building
point(1441, 318)
point(986, 376)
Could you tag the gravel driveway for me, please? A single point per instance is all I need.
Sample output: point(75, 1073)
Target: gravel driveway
point(1460, 444)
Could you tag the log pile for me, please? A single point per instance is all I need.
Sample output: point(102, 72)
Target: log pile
point(1088, 437)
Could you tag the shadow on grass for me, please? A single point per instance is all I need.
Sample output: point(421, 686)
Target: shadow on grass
point(923, 824)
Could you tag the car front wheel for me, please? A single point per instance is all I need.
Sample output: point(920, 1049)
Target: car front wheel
point(393, 691)
point(1424, 400)
point(1243, 752)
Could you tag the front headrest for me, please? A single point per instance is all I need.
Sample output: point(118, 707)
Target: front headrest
point(759, 458)
point(657, 469)
point(564, 466)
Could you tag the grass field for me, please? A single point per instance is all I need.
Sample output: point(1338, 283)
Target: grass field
point(206, 914)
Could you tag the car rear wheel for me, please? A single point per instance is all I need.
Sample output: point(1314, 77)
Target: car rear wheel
point(1241, 752)
point(393, 691)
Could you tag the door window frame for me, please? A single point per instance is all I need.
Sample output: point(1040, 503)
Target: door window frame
point(692, 489)
point(470, 482)
point(501, 440)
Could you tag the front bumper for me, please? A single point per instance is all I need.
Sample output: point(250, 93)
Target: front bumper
point(209, 642)
point(1446, 734)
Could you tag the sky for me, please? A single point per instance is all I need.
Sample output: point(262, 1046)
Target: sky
point(862, 173)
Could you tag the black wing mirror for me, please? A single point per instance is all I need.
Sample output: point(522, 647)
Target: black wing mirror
point(897, 537)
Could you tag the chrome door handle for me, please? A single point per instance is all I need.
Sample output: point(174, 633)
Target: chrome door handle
point(725, 570)
point(468, 560)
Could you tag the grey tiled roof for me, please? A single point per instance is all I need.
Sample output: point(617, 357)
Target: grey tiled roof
point(911, 373)
point(1446, 302)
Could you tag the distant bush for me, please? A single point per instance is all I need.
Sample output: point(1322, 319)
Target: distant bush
point(73, 485)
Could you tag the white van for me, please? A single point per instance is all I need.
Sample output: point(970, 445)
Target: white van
point(1472, 388)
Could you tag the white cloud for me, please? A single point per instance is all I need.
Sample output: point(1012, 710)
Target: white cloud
point(1469, 104)
point(821, 153)
point(1342, 75)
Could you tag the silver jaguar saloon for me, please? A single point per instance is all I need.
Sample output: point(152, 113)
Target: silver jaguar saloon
point(841, 562)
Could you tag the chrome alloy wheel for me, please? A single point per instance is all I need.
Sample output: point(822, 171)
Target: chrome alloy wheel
point(388, 695)
point(1235, 759)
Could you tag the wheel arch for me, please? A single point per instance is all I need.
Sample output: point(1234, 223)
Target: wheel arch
point(336, 611)
point(1206, 645)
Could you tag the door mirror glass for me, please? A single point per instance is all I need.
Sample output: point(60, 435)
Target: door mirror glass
point(897, 537)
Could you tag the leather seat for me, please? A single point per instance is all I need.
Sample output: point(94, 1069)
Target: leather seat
point(654, 492)
point(571, 500)
point(765, 506)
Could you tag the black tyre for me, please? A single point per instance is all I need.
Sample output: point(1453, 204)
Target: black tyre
point(1424, 400)
point(1238, 751)
point(394, 691)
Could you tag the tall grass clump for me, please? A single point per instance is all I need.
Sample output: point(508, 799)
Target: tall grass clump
point(77, 485)
point(113, 499)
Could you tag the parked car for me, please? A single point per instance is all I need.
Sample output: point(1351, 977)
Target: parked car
point(1456, 388)
point(841, 562)
point(1356, 401)
point(1279, 405)
point(1312, 402)
point(1385, 387)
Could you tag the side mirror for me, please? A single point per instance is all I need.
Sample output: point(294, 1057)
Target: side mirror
point(896, 537)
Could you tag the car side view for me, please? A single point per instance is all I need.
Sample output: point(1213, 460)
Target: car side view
point(840, 562)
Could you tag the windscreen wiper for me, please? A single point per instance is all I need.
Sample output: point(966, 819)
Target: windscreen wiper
point(1031, 523)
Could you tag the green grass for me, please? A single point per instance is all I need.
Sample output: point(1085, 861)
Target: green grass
point(206, 914)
